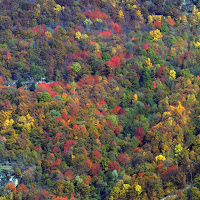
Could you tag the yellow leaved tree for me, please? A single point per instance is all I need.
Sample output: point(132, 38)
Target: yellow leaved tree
point(25, 123)
point(58, 8)
point(156, 35)
point(8, 123)
point(160, 158)
point(138, 189)
point(148, 63)
point(178, 149)
point(48, 34)
point(5, 118)
point(7, 130)
point(195, 17)
point(121, 14)
point(78, 35)
point(172, 74)
point(135, 97)
point(184, 20)
point(157, 17)
point(180, 114)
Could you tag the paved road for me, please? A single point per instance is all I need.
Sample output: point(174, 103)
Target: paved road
point(175, 195)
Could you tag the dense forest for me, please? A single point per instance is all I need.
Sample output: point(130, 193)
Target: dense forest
point(100, 99)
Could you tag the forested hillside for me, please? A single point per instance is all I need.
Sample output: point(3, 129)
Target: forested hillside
point(99, 99)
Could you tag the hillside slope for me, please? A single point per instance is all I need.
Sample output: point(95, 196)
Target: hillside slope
point(99, 99)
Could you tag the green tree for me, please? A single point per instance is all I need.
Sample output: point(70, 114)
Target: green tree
point(44, 96)
point(37, 72)
point(76, 67)
point(145, 79)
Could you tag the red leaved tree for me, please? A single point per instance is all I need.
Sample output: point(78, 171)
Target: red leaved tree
point(72, 196)
point(59, 198)
point(170, 171)
point(1, 80)
point(146, 46)
point(117, 132)
point(22, 189)
point(10, 186)
point(114, 166)
point(157, 24)
point(95, 169)
point(113, 62)
point(117, 29)
point(88, 164)
point(8, 55)
point(96, 155)
point(70, 175)
point(139, 133)
point(94, 14)
point(159, 166)
point(39, 29)
point(170, 21)
point(116, 110)
point(123, 159)
point(105, 34)
point(68, 144)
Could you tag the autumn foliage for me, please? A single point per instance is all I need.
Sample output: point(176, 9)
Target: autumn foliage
point(170, 21)
point(139, 133)
point(94, 14)
point(99, 99)
point(113, 62)
point(114, 166)
point(105, 34)
point(10, 186)
point(157, 24)
point(39, 29)
point(123, 158)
